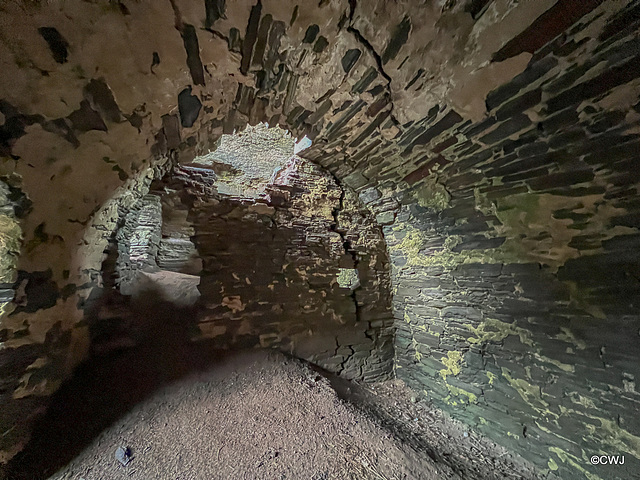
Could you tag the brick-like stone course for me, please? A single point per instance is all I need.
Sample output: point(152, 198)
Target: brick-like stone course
point(523, 218)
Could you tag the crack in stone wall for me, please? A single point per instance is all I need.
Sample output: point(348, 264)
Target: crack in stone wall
point(273, 282)
point(335, 227)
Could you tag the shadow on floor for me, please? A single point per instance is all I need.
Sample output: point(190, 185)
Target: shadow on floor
point(107, 386)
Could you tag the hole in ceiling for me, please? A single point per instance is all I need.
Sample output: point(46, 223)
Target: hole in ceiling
point(246, 163)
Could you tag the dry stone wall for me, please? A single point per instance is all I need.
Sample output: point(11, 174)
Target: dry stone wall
point(496, 141)
point(516, 286)
point(270, 269)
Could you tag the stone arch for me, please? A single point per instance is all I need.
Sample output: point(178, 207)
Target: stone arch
point(310, 307)
point(495, 142)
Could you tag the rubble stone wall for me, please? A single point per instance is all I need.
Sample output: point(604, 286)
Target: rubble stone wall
point(496, 142)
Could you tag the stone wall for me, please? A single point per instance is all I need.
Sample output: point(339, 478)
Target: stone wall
point(270, 268)
point(495, 140)
point(13, 205)
point(515, 254)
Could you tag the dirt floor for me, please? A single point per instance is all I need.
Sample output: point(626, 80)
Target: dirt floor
point(262, 415)
point(186, 411)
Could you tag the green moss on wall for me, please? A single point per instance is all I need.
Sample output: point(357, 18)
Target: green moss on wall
point(433, 195)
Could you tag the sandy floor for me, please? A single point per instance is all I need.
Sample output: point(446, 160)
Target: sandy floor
point(262, 415)
point(189, 412)
point(255, 416)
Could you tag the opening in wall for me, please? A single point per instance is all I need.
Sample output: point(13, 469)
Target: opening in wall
point(261, 248)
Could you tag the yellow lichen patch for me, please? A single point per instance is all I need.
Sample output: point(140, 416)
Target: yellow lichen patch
point(452, 362)
point(492, 330)
point(411, 244)
point(574, 461)
point(492, 377)
point(414, 241)
point(618, 438)
point(459, 392)
point(608, 433)
point(529, 393)
point(543, 428)
point(553, 466)
point(417, 355)
point(585, 402)
point(562, 366)
point(448, 401)
point(433, 195)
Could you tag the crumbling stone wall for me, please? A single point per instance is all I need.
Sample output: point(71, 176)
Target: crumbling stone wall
point(270, 268)
point(138, 241)
point(460, 124)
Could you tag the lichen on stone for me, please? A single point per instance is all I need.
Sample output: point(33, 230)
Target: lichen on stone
point(459, 392)
point(574, 462)
point(493, 330)
point(531, 394)
point(348, 278)
point(452, 361)
point(432, 194)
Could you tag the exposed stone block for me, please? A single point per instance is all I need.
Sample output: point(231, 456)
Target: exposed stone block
point(398, 38)
point(598, 85)
point(215, 9)
point(190, 39)
point(451, 119)
point(350, 58)
point(505, 129)
point(520, 104)
point(57, 44)
point(189, 107)
point(546, 27)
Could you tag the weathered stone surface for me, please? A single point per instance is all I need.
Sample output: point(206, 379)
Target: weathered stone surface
point(189, 107)
point(57, 44)
point(545, 28)
point(100, 96)
point(525, 130)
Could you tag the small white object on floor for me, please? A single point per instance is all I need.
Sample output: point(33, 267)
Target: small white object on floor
point(123, 455)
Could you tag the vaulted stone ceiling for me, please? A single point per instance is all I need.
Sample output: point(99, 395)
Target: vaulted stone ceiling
point(495, 141)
